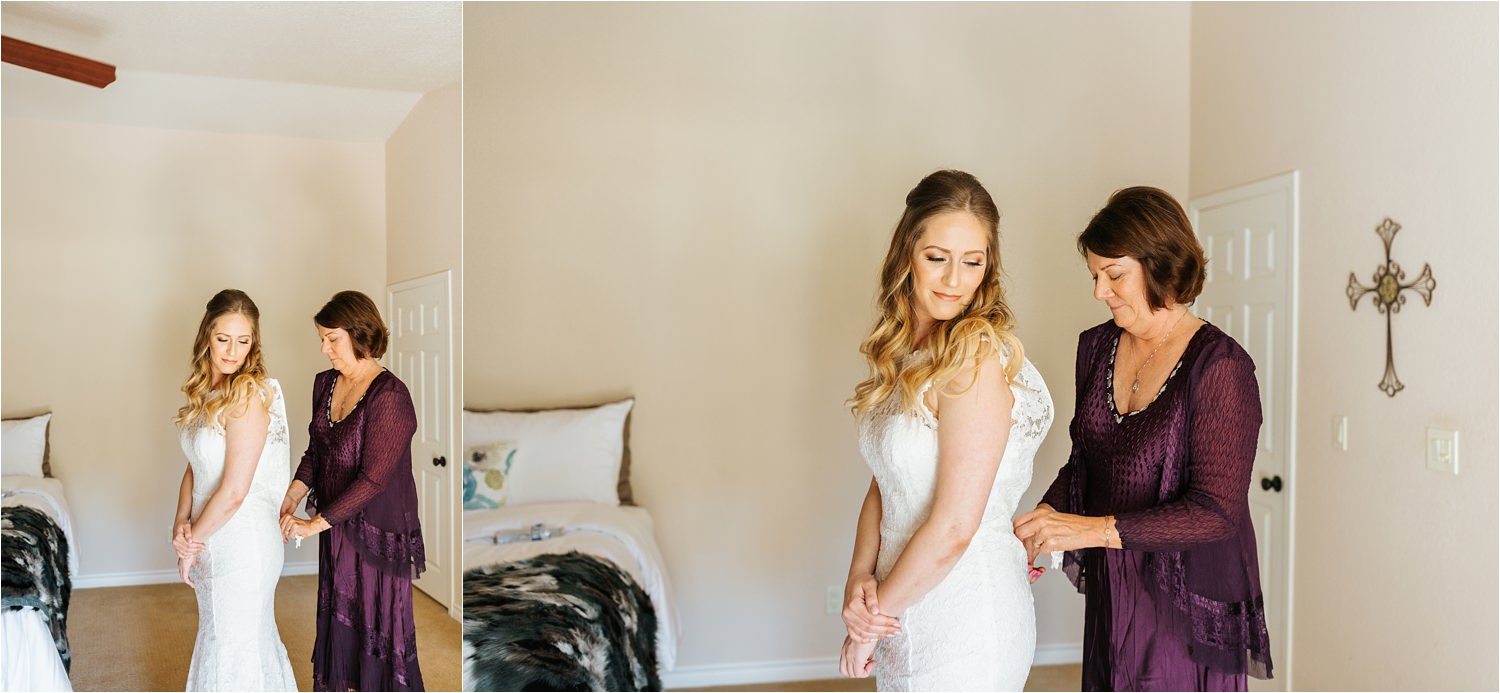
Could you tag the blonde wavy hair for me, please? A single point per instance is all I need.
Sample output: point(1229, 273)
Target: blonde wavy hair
point(207, 404)
point(982, 330)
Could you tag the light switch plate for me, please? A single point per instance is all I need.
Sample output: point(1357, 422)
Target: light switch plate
point(833, 600)
point(1341, 433)
point(1442, 450)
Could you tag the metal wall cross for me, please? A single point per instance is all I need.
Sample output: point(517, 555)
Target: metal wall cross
point(1389, 297)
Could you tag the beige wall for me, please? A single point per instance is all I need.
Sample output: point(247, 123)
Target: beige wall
point(689, 203)
point(423, 176)
point(114, 238)
point(424, 228)
point(1387, 110)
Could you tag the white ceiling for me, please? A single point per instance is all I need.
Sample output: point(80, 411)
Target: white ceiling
point(397, 46)
point(337, 70)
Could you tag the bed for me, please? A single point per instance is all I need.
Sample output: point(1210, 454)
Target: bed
point(564, 585)
point(40, 559)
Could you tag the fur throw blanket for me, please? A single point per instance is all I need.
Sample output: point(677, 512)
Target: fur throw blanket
point(35, 574)
point(559, 622)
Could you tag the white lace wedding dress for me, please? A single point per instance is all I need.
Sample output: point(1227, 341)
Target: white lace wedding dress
point(977, 629)
point(238, 647)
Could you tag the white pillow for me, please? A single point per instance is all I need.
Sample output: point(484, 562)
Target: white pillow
point(561, 454)
point(24, 445)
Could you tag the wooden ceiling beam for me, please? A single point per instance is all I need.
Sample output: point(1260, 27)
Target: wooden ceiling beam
point(58, 63)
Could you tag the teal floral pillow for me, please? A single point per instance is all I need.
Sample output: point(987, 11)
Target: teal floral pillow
point(485, 469)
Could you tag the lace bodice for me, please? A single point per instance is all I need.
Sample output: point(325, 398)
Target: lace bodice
point(902, 451)
point(205, 446)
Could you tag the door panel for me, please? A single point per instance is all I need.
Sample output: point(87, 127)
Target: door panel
point(421, 355)
point(1250, 234)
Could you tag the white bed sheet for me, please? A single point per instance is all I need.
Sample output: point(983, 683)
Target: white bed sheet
point(622, 534)
point(31, 662)
point(29, 657)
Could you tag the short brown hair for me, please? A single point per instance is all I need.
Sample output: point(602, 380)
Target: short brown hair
point(356, 314)
point(1148, 225)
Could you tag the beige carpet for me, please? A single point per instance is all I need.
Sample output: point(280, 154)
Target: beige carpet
point(141, 638)
point(1063, 677)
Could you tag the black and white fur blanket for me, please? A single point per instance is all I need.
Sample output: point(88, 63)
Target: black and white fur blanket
point(559, 622)
point(35, 574)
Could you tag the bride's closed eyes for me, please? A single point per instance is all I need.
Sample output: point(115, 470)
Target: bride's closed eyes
point(939, 259)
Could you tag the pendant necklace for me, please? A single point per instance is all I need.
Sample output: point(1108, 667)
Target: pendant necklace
point(1136, 386)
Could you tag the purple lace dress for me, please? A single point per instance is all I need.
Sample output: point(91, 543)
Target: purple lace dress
point(1179, 607)
point(359, 473)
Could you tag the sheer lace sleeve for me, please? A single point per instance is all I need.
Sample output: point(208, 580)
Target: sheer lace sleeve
point(1059, 493)
point(390, 421)
point(305, 469)
point(1224, 426)
point(305, 472)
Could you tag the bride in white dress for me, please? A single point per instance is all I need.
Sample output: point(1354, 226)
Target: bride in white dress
point(938, 596)
point(228, 542)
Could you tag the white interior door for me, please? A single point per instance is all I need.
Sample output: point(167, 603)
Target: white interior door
point(1250, 236)
point(421, 354)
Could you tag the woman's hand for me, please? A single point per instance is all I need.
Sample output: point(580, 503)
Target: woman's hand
point(857, 659)
point(861, 613)
point(185, 567)
point(1045, 529)
point(293, 527)
point(295, 492)
point(182, 540)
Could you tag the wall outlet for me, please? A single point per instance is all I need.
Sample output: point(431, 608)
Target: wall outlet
point(1442, 450)
point(833, 600)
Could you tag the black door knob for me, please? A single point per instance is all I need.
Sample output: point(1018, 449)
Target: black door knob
point(439, 461)
point(1271, 484)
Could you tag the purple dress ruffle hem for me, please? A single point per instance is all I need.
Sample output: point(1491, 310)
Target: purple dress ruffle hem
point(359, 473)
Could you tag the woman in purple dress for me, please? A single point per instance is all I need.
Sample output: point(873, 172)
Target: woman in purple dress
point(1152, 506)
point(358, 469)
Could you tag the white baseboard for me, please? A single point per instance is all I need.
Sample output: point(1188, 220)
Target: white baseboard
point(1062, 653)
point(311, 568)
point(149, 577)
point(702, 676)
point(162, 577)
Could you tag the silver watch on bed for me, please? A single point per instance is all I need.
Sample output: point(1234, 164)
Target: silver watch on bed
point(536, 532)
